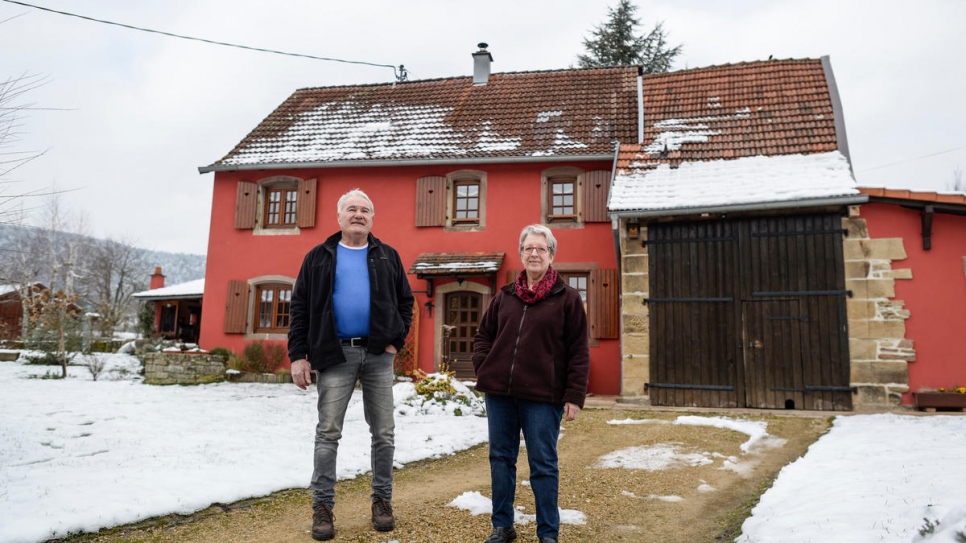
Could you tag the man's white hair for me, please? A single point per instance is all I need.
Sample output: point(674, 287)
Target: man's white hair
point(350, 194)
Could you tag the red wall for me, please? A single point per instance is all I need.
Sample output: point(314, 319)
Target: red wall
point(935, 296)
point(512, 202)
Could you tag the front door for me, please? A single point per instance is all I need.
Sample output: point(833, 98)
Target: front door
point(460, 321)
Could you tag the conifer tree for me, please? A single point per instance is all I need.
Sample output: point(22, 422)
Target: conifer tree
point(615, 43)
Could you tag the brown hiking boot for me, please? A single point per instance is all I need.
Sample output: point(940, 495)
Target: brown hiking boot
point(382, 519)
point(323, 527)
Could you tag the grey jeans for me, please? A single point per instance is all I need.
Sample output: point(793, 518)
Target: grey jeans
point(335, 385)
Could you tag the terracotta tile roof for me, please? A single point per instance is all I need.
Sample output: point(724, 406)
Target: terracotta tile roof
point(879, 193)
point(772, 107)
point(734, 135)
point(527, 114)
point(449, 264)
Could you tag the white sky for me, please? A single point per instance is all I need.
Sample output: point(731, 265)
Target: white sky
point(141, 112)
point(77, 454)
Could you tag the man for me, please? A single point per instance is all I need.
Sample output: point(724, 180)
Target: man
point(350, 313)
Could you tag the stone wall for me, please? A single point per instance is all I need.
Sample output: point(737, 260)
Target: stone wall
point(878, 349)
point(183, 369)
point(635, 319)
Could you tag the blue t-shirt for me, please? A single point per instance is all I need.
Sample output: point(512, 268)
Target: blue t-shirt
point(351, 296)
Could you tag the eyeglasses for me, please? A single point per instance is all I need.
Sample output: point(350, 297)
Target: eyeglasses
point(540, 250)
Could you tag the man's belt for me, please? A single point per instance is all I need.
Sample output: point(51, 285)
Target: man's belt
point(355, 342)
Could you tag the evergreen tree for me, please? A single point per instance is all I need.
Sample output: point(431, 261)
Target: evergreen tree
point(615, 43)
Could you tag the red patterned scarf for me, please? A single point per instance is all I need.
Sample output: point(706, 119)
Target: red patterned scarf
point(540, 290)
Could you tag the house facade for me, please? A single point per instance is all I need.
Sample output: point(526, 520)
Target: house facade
point(177, 308)
point(911, 255)
point(455, 167)
point(709, 217)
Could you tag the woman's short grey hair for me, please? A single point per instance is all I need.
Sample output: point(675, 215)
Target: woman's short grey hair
point(539, 230)
point(350, 194)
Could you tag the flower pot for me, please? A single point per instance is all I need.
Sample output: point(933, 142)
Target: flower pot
point(939, 400)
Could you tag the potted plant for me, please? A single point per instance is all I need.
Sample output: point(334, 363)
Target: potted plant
point(942, 398)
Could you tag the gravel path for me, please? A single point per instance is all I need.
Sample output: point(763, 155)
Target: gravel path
point(680, 504)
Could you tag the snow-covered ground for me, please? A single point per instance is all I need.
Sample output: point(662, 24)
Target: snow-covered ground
point(79, 455)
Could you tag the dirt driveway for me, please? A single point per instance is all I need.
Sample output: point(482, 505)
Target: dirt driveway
point(684, 504)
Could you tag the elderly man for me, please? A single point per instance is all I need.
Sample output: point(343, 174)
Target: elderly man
point(350, 313)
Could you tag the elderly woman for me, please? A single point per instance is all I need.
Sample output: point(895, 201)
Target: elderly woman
point(532, 361)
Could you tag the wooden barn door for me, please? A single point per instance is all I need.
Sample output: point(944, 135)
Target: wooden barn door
point(794, 266)
point(694, 333)
point(749, 313)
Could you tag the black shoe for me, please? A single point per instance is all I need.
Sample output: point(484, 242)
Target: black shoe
point(382, 519)
point(548, 540)
point(323, 523)
point(502, 535)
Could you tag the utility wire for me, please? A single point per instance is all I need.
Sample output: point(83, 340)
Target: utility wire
point(909, 160)
point(213, 42)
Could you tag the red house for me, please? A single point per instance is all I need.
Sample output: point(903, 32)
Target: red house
point(708, 216)
point(456, 167)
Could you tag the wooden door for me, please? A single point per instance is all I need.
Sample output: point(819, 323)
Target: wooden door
point(462, 312)
point(693, 331)
point(773, 354)
point(749, 312)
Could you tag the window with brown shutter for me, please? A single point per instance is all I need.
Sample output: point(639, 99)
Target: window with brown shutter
point(246, 205)
point(604, 300)
point(306, 204)
point(466, 201)
point(596, 188)
point(272, 302)
point(562, 197)
point(279, 202)
point(236, 307)
point(431, 201)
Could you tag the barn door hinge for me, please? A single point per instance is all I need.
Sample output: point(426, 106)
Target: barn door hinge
point(803, 293)
point(808, 389)
point(646, 301)
point(842, 231)
point(688, 387)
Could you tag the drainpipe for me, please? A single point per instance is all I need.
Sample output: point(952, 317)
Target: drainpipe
point(640, 104)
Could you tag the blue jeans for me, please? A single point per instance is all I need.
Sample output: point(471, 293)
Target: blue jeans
point(540, 423)
point(335, 385)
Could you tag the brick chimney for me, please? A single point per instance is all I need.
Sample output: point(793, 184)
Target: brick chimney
point(157, 279)
point(481, 65)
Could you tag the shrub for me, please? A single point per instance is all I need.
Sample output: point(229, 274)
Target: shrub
point(262, 357)
point(221, 351)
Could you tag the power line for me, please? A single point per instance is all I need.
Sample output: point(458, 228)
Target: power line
point(212, 42)
point(911, 159)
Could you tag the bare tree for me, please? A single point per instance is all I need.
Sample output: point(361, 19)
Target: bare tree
point(12, 112)
point(957, 184)
point(113, 273)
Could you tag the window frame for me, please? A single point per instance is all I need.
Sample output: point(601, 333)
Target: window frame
point(289, 194)
point(556, 175)
point(465, 177)
point(276, 304)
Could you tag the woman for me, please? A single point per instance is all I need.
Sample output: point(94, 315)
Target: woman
point(532, 361)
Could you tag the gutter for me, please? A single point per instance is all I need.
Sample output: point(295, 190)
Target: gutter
point(816, 202)
point(398, 162)
point(614, 222)
point(640, 104)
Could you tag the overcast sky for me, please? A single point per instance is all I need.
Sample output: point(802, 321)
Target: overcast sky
point(135, 114)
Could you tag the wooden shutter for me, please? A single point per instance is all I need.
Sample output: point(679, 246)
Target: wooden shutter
point(431, 201)
point(246, 200)
point(596, 189)
point(236, 307)
point(511, 275)
point(604, 298)
point(306, 203)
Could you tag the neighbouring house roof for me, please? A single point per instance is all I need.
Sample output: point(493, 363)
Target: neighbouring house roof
point(450, 264)
point(182, 291)
point(943, 202)
point(748, 135)
point(547, 115)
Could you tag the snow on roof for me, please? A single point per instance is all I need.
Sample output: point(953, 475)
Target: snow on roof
point(746, 180)
point(191, 289)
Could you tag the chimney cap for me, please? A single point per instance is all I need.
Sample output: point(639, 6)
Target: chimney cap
point(482, 45)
